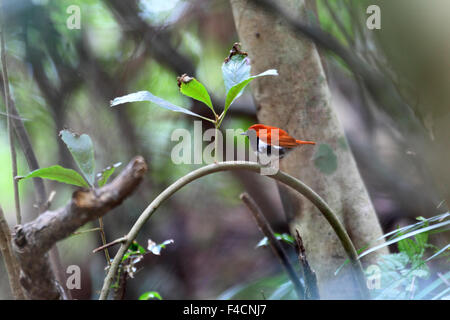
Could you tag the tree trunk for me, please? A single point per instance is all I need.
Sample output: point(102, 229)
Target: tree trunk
point(299, 101)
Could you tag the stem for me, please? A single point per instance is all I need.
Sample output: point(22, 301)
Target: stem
point(10, 126)
point(102, 234)
point(216, 143)
point(207, 119)
point(339, 24)
point(221, 117)
point(112, 243)
point(76, 233)
point(265, 228)
point(290, 181)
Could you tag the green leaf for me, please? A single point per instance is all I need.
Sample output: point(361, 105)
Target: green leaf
point(156, 248)
point(82, 150)
point(439, 252)
point(102, 177)
point(236, 74)
point(147, 96)
point(235, 69)
point(282, 237)
point(409, 234)
point(60, 174)
point(422, 239)
point(150, 295)
point(134, 249)
point(191, 87)
point(235, 91)
point(400, 277)
point(409, 247)
point(415, 226)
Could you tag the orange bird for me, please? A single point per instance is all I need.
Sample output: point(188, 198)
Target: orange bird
point(264, 140)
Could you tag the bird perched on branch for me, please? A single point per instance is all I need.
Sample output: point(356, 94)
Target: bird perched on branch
point(272, 142)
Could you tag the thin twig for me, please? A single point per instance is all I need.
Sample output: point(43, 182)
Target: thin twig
point(103, 236)
point(12, 267)
point(265, 228)
point(14, 117)
point(76, 233)
point(216, 142)
point(110, 244)
point(307, 192)
point(30, 156)
point(339, 24)
point(9, 123)
point(311, 289)
point(49, 201)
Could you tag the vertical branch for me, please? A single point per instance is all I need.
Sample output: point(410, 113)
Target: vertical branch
point(311, 289)
point(265, 228)
point(9, 124)
point(25, 143)
point(12, 267)
point(102, 234)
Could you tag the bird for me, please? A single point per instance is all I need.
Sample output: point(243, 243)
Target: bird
point(265, 143)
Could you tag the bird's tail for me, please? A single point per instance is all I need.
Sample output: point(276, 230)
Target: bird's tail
point(304, 142)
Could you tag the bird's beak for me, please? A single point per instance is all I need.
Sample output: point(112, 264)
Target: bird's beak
point(244, 133)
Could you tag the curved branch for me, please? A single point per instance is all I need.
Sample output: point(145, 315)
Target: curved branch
point(280, 176)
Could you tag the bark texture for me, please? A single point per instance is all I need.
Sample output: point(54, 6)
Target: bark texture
point(299, 101)
point(33, 240)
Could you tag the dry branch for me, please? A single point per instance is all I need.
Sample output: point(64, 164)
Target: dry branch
point(32, 240)
point(266, 229)
point(311, 289)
